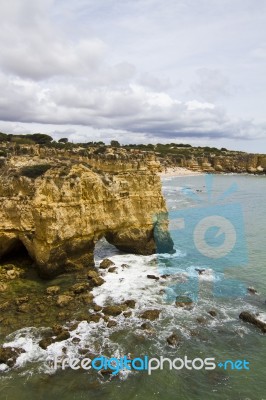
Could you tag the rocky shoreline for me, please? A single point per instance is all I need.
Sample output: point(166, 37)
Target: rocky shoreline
point(60, 305)
point(54, 212)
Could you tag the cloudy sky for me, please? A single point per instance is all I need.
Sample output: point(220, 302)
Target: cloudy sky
point(190, 71)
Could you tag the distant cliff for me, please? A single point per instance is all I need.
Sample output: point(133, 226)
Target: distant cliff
point(210, 159)
point(59, 204)
point(231, 162)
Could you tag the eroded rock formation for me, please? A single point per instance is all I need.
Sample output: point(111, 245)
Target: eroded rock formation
point(60, 215)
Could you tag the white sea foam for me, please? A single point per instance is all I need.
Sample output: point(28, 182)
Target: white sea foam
point(130, 282)
point(262, 317)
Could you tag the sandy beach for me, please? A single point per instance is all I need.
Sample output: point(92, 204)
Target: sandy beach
point(178, 171)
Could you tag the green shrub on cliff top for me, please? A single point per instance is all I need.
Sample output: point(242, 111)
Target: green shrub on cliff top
point(21, 140)
point(34, 171)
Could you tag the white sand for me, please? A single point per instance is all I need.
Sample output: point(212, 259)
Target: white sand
point(178, 171)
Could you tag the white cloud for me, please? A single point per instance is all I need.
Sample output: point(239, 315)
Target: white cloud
point(195, 104)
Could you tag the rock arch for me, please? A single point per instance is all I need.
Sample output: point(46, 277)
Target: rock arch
point(61, 215)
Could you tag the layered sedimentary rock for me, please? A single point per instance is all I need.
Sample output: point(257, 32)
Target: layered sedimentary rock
point(60, 215)
point(229, 162)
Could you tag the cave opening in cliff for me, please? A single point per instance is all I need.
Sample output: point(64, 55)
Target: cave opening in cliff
point(104, 249)
point(17, 255)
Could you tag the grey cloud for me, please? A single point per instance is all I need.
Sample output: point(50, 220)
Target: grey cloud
point(38, 58)
point(32, 46)
point(131, 109)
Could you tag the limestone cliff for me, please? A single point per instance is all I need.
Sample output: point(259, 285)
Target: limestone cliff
point(237, 162)
point(60, 215)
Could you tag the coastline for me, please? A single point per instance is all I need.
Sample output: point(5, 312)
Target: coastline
point(178, 171)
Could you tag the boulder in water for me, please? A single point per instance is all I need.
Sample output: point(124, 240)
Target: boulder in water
point(151, 314)
point(251, 290)
point(248, 317)
point(106, 263)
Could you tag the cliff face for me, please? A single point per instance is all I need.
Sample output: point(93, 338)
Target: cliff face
point(60, 215)
point(231, 162)
point(252, 163)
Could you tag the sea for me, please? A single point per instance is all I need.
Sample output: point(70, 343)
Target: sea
point(220, 286)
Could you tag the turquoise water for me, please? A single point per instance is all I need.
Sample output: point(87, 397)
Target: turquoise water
point(223, 337)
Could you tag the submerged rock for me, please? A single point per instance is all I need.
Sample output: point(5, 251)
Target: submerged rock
point(153, 277)
point(150, 314)
point(173, 339)
point(183, 301)
point(9, 355)
point(114, 310)
point(146, 325)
